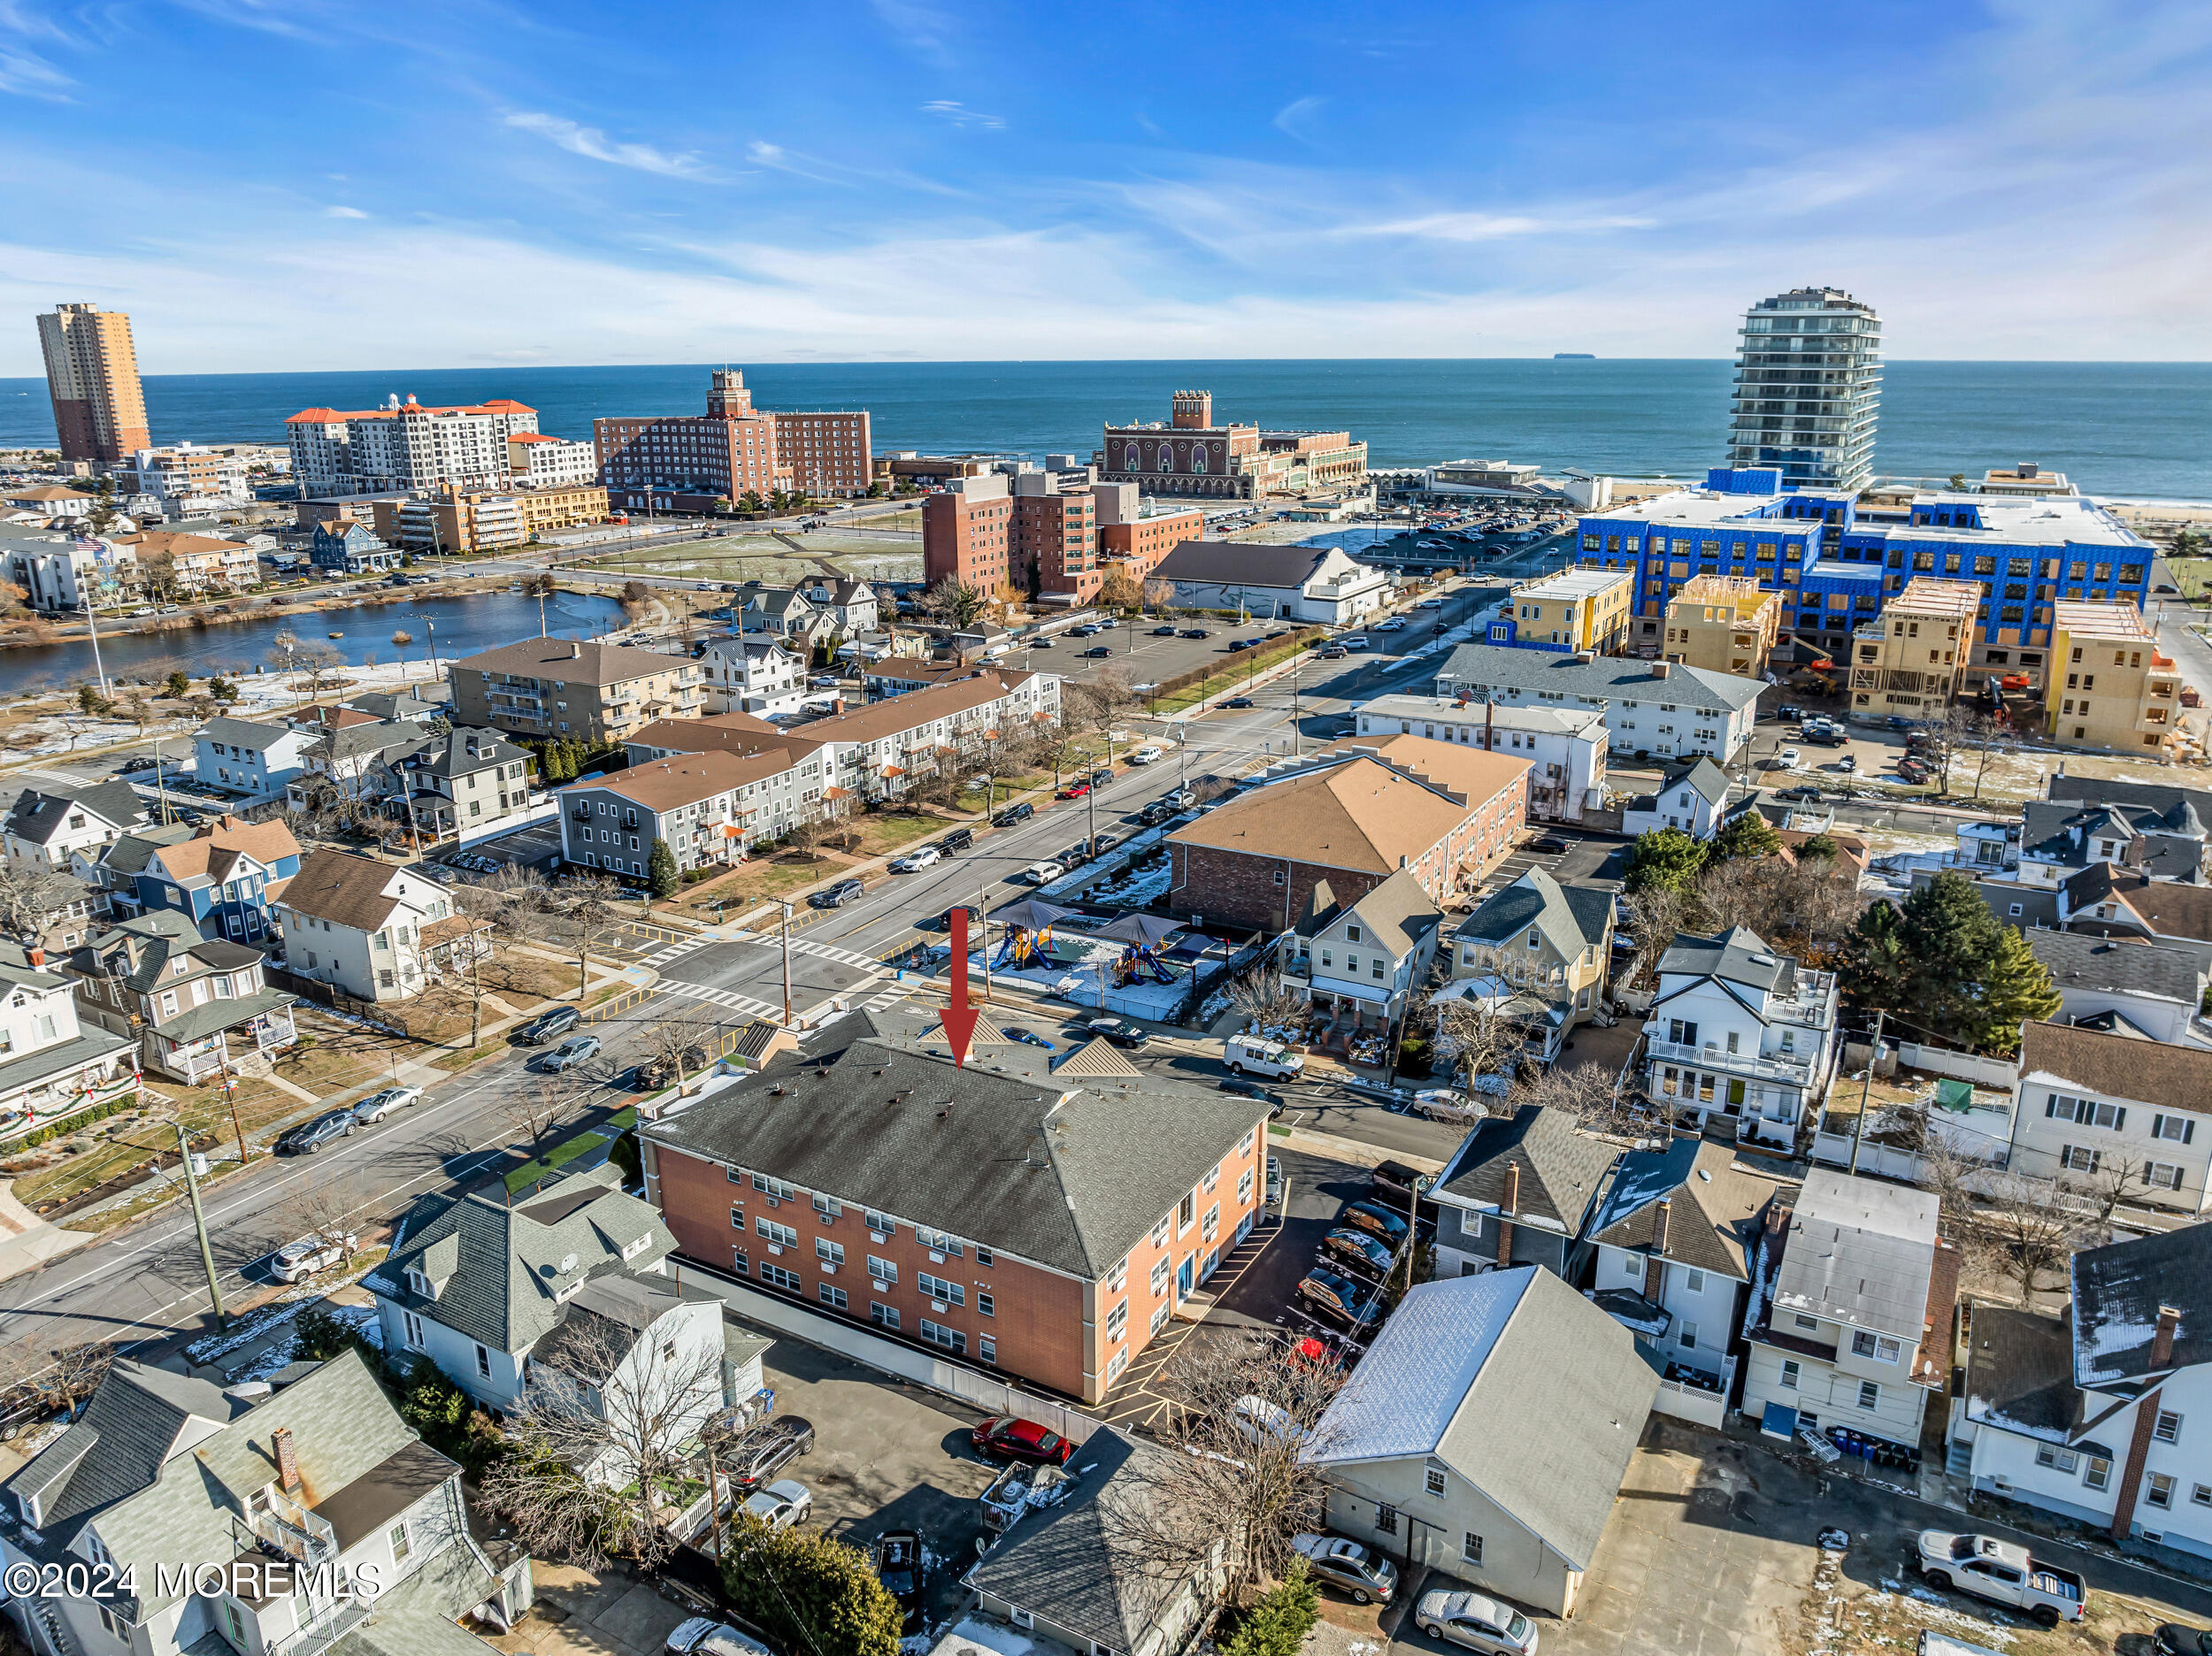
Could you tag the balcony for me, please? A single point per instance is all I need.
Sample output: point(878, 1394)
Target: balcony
point(1788, 1070)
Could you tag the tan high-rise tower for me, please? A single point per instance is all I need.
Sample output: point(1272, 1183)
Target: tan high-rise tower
point(92, 373)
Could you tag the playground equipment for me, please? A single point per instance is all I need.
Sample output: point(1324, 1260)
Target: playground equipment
point(1136, 962)
point(1024, 949)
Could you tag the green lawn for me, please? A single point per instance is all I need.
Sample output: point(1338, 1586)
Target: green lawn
point(1235, 670)
point(554, 1159)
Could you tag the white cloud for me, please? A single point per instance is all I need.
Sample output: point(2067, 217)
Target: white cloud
point(1294, 119)
point(26, 74)
point(344, 212)
point(961, 115)
point(594, 143)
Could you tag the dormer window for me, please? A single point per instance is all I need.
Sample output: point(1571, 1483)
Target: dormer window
point(419, 1284)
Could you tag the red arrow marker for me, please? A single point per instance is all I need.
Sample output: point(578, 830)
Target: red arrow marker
point(959, 1017)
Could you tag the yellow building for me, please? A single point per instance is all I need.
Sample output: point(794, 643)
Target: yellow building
point(460, 520)
point(561, 506)
point(1577, 610)
point(2109, 686)
point(1910, 661)
point(1724, 624)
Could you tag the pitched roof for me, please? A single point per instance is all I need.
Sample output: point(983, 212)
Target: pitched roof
point(351, 890)
point(1241, 563)
point(604, 1318)
point(1068, 1171)
point(894, 713)
point(1358, 813)
point(1081, 1563)
point(245, 733)
point(1478, 772)
point(38, 813)
point(2118, 1292)
point(2020, 1373)
point(1702, 777)
point(2083, 961)
point(2168, 846)
point(1482, 666)
point(2156, 796)
point(1396, 914)
point(213, 850)
point(2170, 1077)
point(1859, 1252)
point(1572, 919)
point(685, 778)
point(1562, 1167)
point(1516, 1382)
point(720, 732)
point(1738, 955)
point(571, 660)
point(2168, 908)
point(1714, 1206)
point(500, 1272)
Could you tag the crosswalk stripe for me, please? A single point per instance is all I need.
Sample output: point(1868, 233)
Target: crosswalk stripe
point(728, 998)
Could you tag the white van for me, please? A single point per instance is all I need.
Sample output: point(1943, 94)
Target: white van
point(1261, 1421)
point(1256, 1055)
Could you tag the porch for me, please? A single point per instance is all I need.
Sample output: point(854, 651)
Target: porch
point(237, 1039)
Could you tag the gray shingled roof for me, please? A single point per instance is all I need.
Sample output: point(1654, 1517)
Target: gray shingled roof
point(1081, 1564)
point(2118, 1291)
point(2167, 845)
point(2155, 796)
point(1703, 778)
point(1396, 914)
point(2082, 961)
point(244, 733)
point(2020, 1374)
point(1859, 1252)
point(1739, 955)
point(1714, 1206)
point(448, 756)
point(38, 813)
point(498, 1270)
point(604, 1318)
point(1604, 677)
point(1065, 1171)
point(1562, 1167)
point(1570, 917)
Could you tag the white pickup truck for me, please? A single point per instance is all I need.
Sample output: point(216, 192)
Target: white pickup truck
point(2003, 1573)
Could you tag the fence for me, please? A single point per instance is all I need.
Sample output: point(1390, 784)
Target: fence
point(1695, 1404)
point(1945, 1061)
point(620, 1004)
point(941, 1375)
point(391, 1019)
point(1879, 1160)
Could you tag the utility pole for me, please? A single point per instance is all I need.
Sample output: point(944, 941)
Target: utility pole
point(1866, 1086)
point(161, 784)
point(199, 1223)
point(786, 965)
point(230, 1096)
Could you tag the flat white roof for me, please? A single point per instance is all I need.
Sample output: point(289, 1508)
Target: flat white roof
point(1575, 583)
point(1504, 714)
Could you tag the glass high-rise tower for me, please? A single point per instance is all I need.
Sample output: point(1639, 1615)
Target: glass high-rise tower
point(1808, 384)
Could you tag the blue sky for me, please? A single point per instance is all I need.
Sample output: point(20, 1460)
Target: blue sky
point(298, 184)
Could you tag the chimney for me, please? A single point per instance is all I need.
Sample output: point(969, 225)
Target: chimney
point(37, 957)
point(2163, 1341)
point(1509, 1203)
point(1659, 1225)
point(575, 649)
point(287, 1459)
point(2026, 468)
point(1659, 669)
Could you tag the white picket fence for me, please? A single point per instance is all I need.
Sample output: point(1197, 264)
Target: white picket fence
point(1877, 1160)
point(1945, 1061)
point(955, 1380)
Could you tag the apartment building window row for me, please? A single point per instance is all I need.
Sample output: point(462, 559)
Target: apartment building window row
point(937, 1288)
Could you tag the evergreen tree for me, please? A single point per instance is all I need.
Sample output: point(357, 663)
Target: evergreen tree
point(809, 1592)
point(661, 876)
point(1875, 970)
point(177, 684)
point(2018, 990)
point(1278, 1623)
point(1667, 857)
point(1746, 835)
point(1946, 968)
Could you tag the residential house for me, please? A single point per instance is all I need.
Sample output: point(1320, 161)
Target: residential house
point(50, 1063)
point(457, 781)
point(2160, 797)
point(703, 804)
point(1078, 1571)
point(200, 1007)
point(2114, 1110)
point(349, 748)
point(421, 702)
point(1350, 817)
point(1739, 1031)
point(789, 614)
point(1518, 1191)
point(1650, 707)
point(1486, 1434)
point(239, 756)
point(1045, 1226)
point(1674, 1232)
point(851, 604)
point(1692, 798)
point(1566, 747)
point(2125, 985)
point(2061, 837)
point(343, 546)
point(753, 674)
point(580, 688)
point(1360, 961)
point(374, 930)
point(2092, 1415)
point(52, 822)
point(304, 1498)
point(1551, 942)
point(1849, 1321)
point(59, 910)
point(2104, 902)
point(222, 875)
point(1568, 610)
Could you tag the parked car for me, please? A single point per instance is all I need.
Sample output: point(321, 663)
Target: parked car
point(1368, 1577)
point(1899, 721)
point(1256, 1054)
point(377, 1106)
point(1043, 873)
point(1396, 623)
point(1013, 814)
point(143, 761)
point(700, 1637)
point(1010, 1437)
point(2004, 1573)
point(782, 1506)
point(1358, 640)
point(781, 1441)
point(296, 1261)
point(1789, 758)
point(1275, 1102)
point(899, 1564)
point(1182, 799)
point(1336, 1296)
point(546, 1025)
point(1274, 1181)
point(915, 861)
point(1146, 754)
point(1334, 652)
point(1849, 762)
point(1102, 776)
point(1429, 603)
point(943, 922)
point(838, 896)
point(1394, 1181)
point(1789, 711)
point(568, 1053)
point(1808, 795)
point(1028, 1037)
point(824, 681)
point(1042, 643)
point(1241, 644)
point(1238, 701)
point(1549, 845)
point(1373, 1216)
point(1164, 632)
point(1076, 789)
point(310, 1137)
point(1098, 650)
point(1475, 1622)
point(2173, 1639)
point(1261, 1421)
point(1105, 841)
point(958, 839)
point(1359, 1250)
point(1196, 632)
point(1121, 1031)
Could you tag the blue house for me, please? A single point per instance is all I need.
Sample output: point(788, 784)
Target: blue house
point(221, 876)
point(238, 756)
point(346, 547)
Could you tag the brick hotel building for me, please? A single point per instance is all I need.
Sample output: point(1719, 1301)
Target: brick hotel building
point(1193, 457)
point(685, 463)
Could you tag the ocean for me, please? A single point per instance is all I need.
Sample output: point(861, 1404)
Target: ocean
point(2128, 429)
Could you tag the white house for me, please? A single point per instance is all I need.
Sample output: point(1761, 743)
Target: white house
point(1692, 798)
point(1519, 1191)
point(1566, 747)
point(377, 931)
point(2092, 1415)
point(1850, 1322)
point(236, 755)
point(1288, 583)
point(1737, 1030)
point(1675, 1231)
point(335, 1526)
point(2091, 1106)
point(50, 1063)
point(1362, 959)
point(1651, 707)
point(1486, 1433)
point(2122, 983)
point(753, 674)
point(51, 824)
point(709, 806)
point(852, 604)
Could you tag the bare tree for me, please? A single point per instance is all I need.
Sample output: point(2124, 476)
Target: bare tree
point(536, 1109)
point(1589, 1093)
point(1254, 1489)
point(1481, 1034)
point(2100, 1192)
point(1266, 1001)
point(323, 663)
point(1159, 595)
point(1654, 915)
point(30, 897)
point(2028, 1222)
point(681, 1040)
point(327, 1209)
point(584, 914)
point(75, 1374)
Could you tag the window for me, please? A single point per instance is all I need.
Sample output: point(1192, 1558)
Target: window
point(986, 1348)
point(2200, 1495)
point(777, 1235)
point(938, 1242)
point(115, 1624)
point(2162, 1175)
point(1244, 1188)
point(2169, 1426)
point(739, 1263)
point(1021, 1617)
point(2097, 1474)
point(826, 1249)
point(1386, 1519)
point(2052, 1455)
point(1688, 1336)
point(883, 1315)
point(1186, 1211)
point(1880, 1347)
point(1471, 1547)
point(1804, 1322)
point(483, 1363)
point(1159, 1277)
point(410, 1329)
point(776, 1276)
point(984, 1256)
point(401, 1546)
point(829, 1208)
point(882, 1270)
point(1159, 1234)
point(938, 1288)
point(883, 1224)
point(951, 1339)
point(1869, 1395)
point(1789, 1374)
point(2162, 1490)
point(1436, 1480)
point(1118, 1320)
point(774, 1187)
point(984, 1306)
point(830, 1296)
point(2078, 1159)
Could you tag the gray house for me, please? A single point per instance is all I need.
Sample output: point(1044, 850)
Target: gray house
point(1486, 1434)
point(1518, 1191)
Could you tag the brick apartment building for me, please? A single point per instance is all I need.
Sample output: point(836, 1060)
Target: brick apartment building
point(552, 687)
point(1046, 1226)
point(1026, 534)
point(686, 463)
point(1128, 533)
point(1353, 817)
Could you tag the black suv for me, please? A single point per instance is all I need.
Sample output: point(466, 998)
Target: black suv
point(1013, 814)
point(546, 1025)
point(958, 839)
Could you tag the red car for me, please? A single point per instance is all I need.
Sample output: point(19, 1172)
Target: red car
point(1075, 790)
point(1014, 1440)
